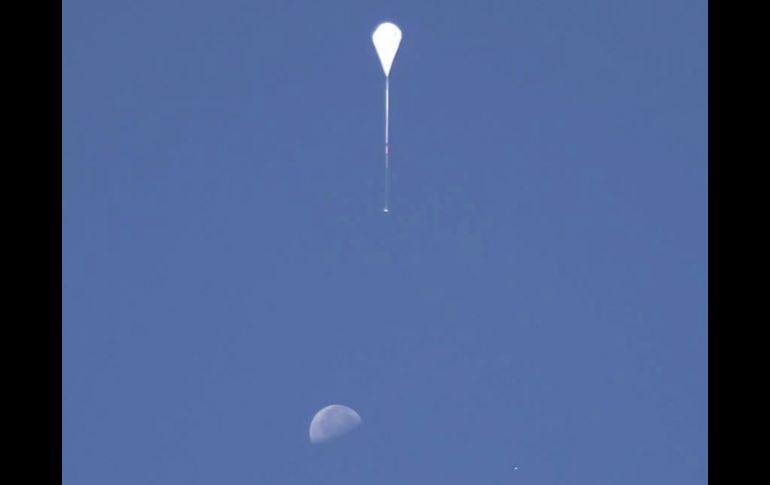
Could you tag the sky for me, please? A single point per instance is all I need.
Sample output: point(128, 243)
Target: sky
point(532, 310)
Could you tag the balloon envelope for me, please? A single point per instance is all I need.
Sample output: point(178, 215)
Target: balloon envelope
point(386, 38)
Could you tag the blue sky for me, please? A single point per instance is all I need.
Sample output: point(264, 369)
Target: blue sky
point(532, 310)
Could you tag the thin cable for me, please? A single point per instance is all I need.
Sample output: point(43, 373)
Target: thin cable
point(387, 145)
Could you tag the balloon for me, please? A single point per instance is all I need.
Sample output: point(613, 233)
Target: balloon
point(386, 38)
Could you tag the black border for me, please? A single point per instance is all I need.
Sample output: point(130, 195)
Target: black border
point(54, 253)
point(32, 231)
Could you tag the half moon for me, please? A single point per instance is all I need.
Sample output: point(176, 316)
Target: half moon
point(332, 422)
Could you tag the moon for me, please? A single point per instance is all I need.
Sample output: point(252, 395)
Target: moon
point(332, 422)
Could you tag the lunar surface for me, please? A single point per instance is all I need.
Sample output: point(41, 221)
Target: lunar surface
point(332, 422)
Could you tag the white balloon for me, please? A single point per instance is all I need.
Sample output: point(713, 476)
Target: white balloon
point(386, 38)
point(332, 422)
